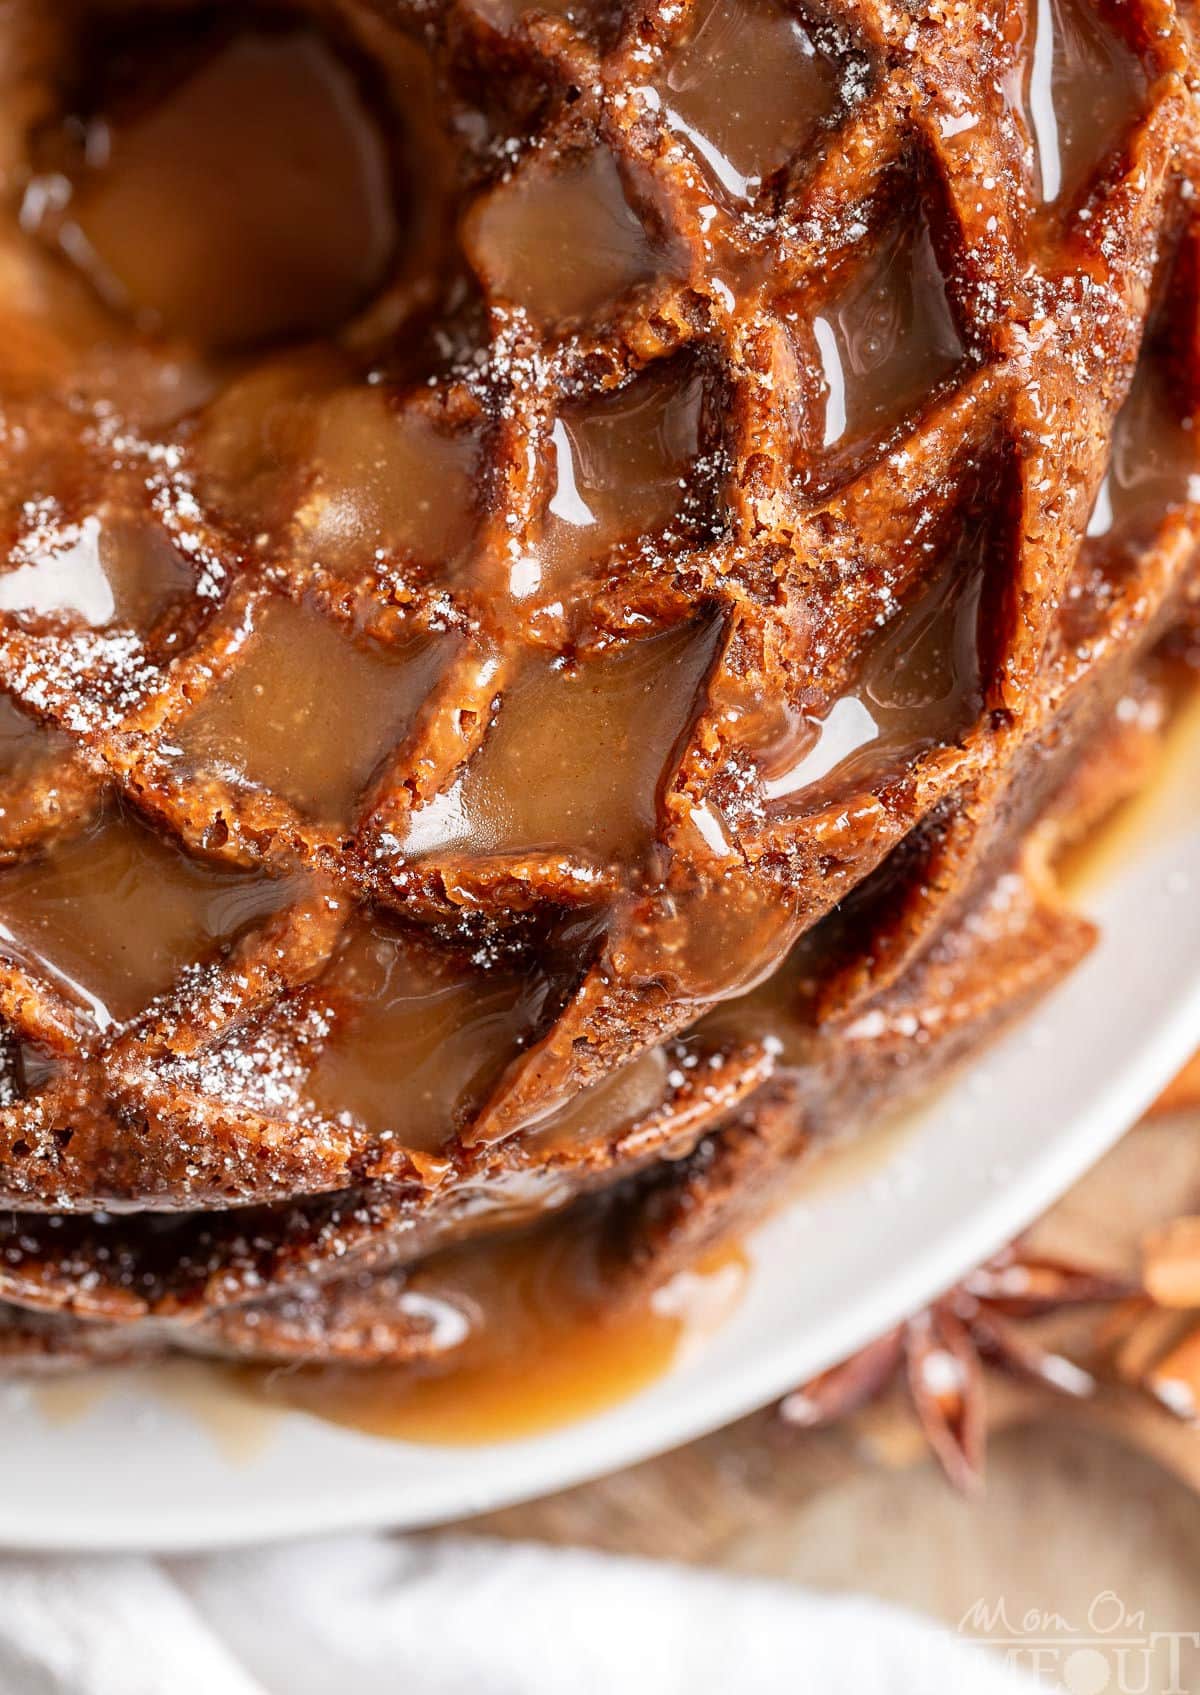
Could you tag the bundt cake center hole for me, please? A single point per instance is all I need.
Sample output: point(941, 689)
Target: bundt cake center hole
point(222, 174)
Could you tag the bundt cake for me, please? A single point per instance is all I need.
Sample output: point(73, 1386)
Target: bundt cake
point(569, 573)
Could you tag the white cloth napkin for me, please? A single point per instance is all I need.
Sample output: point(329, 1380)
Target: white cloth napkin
point(451, 1616)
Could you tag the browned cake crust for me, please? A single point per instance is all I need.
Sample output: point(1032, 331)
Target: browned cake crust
point(584, 695)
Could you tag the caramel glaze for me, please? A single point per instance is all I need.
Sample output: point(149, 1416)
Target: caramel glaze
point(554, 575)
point(885, 340)
point(745, 88)
point(114, 914)
point(308, 714)
point(1075, 85)
point(416, 1044)
point(566, 243)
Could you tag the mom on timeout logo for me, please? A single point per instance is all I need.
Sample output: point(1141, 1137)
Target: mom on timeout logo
point(1112, 1651)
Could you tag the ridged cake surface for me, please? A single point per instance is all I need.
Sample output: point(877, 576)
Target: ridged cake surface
point(566, 574)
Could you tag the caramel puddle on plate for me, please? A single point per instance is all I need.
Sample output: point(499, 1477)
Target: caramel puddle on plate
point(547, 1360)
point(1162, 809)
point(545, 1363)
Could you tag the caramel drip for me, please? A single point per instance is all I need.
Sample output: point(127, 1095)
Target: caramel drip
point(387, 482)
point(921, 684)
point(1154, 464)
point(504, 13)
point(630, 1093)
point(366, 479)
point(253, 452)
point(24, 744)
point(778, 1012)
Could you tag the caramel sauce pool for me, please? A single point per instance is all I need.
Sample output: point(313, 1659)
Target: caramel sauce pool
point(546, 1350)
point(587, 1371)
